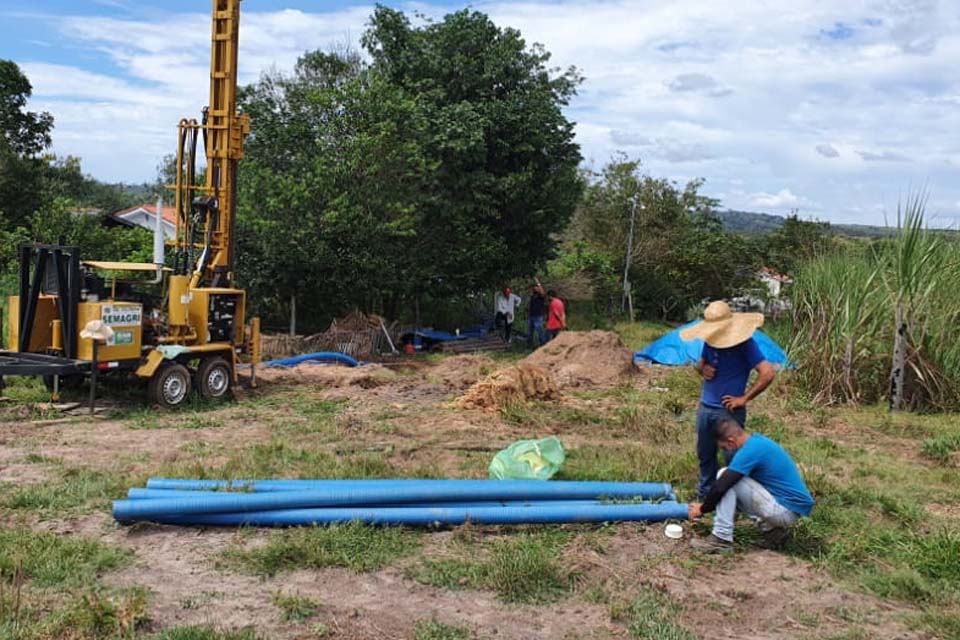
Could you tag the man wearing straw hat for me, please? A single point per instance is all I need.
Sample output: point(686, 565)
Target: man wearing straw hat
point(729, 354)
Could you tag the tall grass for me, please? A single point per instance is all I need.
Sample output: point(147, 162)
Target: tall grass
point(850, 306)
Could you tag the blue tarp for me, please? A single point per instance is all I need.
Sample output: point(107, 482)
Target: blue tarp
point(672, 350)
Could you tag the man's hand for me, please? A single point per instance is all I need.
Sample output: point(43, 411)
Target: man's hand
point(732, 403)
point(693, 510)
point(707, 372)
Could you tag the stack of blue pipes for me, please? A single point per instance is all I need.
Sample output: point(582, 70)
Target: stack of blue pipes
point(281, 503)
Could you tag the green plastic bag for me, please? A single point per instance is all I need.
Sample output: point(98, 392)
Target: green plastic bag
point(528, 460)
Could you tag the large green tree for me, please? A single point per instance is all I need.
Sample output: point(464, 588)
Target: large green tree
point(680, 253)
point(23, 136)
point(441, 166)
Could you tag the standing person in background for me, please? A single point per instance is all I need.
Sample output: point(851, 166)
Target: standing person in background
point(557, 316)
point(505, 303)
point(536, 317)
point(729, 354)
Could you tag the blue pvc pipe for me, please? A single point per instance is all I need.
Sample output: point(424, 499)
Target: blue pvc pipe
point(159, 494)
point(486, 490)
point(649, 490)
point(320, 356)
point(438, 515)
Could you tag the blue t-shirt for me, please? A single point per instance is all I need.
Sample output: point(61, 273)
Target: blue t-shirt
point(733, 367)
point(769, 464)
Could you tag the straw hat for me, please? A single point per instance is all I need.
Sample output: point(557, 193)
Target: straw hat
point(721, 328)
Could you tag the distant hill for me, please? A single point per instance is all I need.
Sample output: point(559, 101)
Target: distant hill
point(760, 223)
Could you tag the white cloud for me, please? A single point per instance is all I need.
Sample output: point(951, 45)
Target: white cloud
point(779, 200)
point(655, 73)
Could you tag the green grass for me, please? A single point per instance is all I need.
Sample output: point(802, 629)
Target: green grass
point(356, 546)
point(941, 448)
point(525, 568)
point(58, 561)
point(74, 489)
point(205, 633)
point(433, 630)
point(282, 456)
point(650, 615)
point(637, 335)
point(294, 607)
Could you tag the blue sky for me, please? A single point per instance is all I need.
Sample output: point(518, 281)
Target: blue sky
point(835, 110)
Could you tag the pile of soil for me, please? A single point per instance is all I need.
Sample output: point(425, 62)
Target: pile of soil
point(584, 359)
point(513, 384)
point(460, 372)
point(324, 375)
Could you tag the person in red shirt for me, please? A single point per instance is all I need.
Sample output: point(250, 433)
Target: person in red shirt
point(556, 316)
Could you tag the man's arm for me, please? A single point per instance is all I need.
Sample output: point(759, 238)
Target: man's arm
point(723, 484)
point(765, 375)
point(705, 370)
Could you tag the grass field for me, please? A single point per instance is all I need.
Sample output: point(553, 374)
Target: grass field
point(880, 557)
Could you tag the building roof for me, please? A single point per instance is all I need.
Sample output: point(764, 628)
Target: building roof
point(775, 275)
point(169, 213)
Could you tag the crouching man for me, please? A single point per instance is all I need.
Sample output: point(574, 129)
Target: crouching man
point(762, 481)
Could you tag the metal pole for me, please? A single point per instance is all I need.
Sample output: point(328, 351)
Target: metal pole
point(93, 375)
point(627, 298)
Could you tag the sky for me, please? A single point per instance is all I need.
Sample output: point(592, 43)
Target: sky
point(835, 110)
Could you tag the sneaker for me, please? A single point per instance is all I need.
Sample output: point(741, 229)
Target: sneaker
point(775, 538)
point(711, 544)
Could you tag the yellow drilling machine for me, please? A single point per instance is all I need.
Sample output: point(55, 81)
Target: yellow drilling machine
point(177, 323)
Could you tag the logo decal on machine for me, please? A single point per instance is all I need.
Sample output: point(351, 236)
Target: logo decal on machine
point(122, 316)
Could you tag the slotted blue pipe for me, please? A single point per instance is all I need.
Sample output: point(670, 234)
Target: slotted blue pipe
point(649, 490)
point(479, 491)
point(438, 515)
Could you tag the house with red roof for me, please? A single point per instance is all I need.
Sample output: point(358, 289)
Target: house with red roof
point(145, 215)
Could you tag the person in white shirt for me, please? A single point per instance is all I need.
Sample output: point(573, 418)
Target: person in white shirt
point(506, 303)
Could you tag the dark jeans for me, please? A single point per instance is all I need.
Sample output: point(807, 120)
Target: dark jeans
point(501, 320)
point(553, 333)
point(707, 418)
point(535, 324)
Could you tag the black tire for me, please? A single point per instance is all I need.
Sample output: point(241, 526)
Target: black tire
point(213, 378)
point(67, 383)
point(170, 386)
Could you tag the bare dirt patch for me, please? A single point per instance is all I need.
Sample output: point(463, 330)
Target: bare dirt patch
point(586, 359)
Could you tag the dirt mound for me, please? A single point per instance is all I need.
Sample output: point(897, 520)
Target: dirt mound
point(584, 359)
point(323, 375)
point(460, 372)
point(514, 384)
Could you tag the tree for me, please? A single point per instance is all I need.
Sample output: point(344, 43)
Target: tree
point(442, 166)
point(23, 135)
point(680, 252)
point(797, 241)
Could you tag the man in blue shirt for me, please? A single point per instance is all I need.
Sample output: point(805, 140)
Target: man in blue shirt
point(729, 355)
point(762, 480)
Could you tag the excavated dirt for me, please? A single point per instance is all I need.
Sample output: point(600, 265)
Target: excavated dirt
point(324, 375)
point(507, 386)
point(460, 372)
point(586, 359)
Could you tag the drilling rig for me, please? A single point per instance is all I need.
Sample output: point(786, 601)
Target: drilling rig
point(178, 322)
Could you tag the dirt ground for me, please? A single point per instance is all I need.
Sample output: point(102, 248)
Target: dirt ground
point(412, 418)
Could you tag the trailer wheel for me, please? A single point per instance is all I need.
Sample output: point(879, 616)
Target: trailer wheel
point(170, 386)
point(213, 378)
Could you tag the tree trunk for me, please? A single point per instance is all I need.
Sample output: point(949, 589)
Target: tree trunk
point(899, 360)
point(293, 314)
